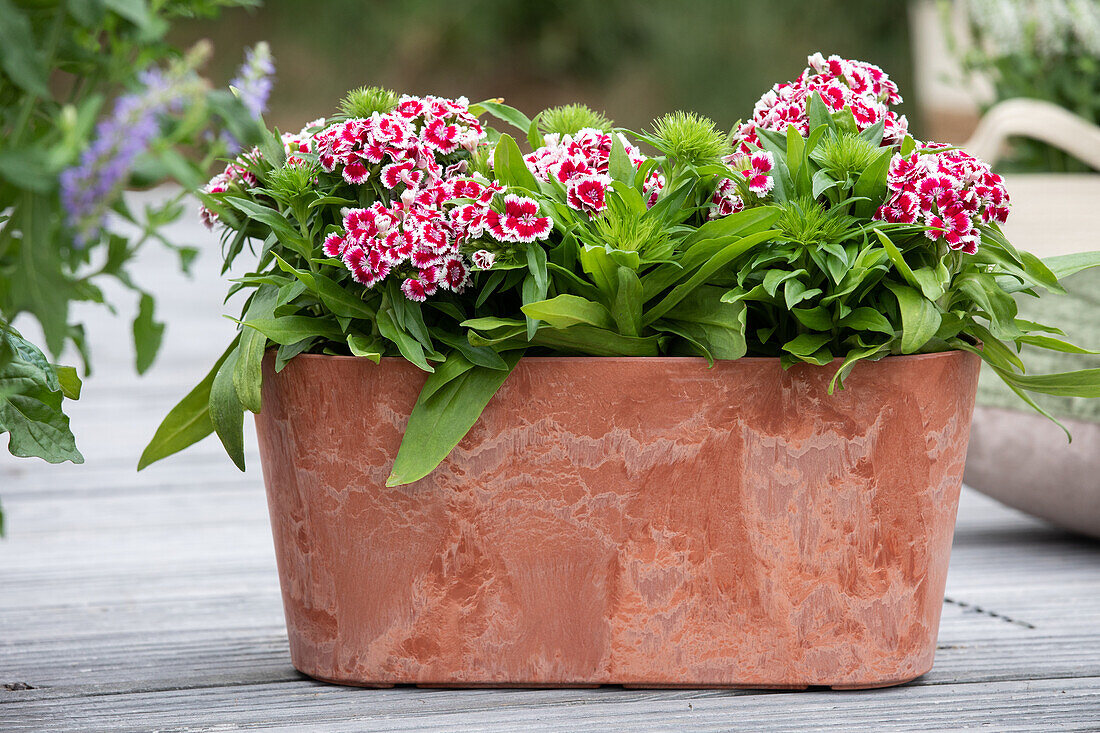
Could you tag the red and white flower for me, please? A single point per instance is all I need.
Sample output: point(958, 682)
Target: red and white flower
point(726, 200)
point(588, 193)
point(950, 192)
point(580, 162)
point(234, 174)
point(759, 171)
point(521, 218)
point(483, 259)
point(863, 88)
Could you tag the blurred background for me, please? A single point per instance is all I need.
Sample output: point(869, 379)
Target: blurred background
point(633, 60)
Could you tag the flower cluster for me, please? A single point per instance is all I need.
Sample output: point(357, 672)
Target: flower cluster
point(863, 88)
point(421, 240)
point(253, 82)
point(404, 143)
point(580, 163)
point(756, 170)
point(949, 191)
point(255, 79)
point(89, 188)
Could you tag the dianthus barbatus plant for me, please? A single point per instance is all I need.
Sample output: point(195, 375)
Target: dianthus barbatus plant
point(820, 232)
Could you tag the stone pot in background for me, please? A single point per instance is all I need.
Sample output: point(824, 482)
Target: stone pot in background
point(648, 522)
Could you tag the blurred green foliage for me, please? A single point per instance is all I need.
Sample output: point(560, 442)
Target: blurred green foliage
point(633, 60)
point(1039, 49)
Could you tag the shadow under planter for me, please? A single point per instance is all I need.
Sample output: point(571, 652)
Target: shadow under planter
point(648, 522)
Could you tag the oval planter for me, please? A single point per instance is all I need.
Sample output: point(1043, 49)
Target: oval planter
point(646, 522)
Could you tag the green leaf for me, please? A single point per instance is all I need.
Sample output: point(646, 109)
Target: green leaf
point(453, 367)
point(991, 297)
point(1053, 344)
point(339, 300)
point(899, 261)
point(478, 355)
point(19, 59)
point(744, 222)
point(994, 351)
point(853, 356)
point(719, 260)
point(821, 183)
point(28, 168)
point(920, 319)
point(626, 307)
point(148, 334)
point(489, 323)
point(39, 284)
point(30, 404)
point(930, 283)
point(509, 167)
point(806, 344)
point(226, 411)
point(189, 421)
point(718, 326)
point(818, 113)
point(69, 381)
point(867, 319)
point(365, 348)
point(247, 375)
point(292, 329)
point(592, 341)
point(871, 185)
point(286, 352)
point(280, 226)
point(567, 310)
point(440, 421)
point(598, 264)
point(1065, 265)
point(819, 319)
point(135, 11)
point(409, 347)
point(511, 115)
point(619, 166)
point(1082, 383)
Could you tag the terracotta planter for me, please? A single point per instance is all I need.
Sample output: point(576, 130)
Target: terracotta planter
point(646, 522)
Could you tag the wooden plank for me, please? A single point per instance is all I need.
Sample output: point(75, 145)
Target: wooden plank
point(1071, 704)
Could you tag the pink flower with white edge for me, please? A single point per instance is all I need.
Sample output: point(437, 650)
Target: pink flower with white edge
point(356, 173)
point(726, 200)
point(404, 172)
point(521, 220)
point(483, 259)
point(901, 209)
point(410, 107)
point(950, 191)
point(588, 193)
point(441, 136)
point(494, 224)
point(334, 245)
point(455, 274)
point(415, 290)
point(759, 173)
point(566, 158)
point(234, 174)
point(841, 83)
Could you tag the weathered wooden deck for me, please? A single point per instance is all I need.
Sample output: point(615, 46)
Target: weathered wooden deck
point(150, 601)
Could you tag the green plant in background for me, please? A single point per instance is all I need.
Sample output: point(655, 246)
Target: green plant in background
point(1042, 49)
point(628, 58)
point(63, 67)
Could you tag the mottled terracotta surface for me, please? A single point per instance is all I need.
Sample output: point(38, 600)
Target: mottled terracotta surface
point(648, 522)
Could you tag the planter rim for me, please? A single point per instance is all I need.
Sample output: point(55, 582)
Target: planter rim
point(656, 359)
